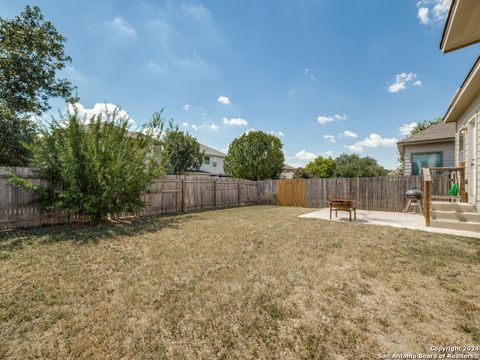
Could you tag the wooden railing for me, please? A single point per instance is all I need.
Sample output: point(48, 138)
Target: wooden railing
point(457, 174)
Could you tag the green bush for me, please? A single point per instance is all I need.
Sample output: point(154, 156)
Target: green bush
point(180, 152)
point(95, 166)
point(255, 156)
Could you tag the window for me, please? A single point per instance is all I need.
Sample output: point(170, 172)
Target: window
point(206, 160)
point(425, 160)
point(214, 163)
point(461, 147)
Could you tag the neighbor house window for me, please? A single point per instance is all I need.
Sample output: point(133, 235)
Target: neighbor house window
point(214, 163)
point(461, 147)
point(206, 160)
point(425, 160)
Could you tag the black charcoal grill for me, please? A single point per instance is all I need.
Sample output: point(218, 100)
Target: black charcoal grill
point(414, 197)
point(414, 194)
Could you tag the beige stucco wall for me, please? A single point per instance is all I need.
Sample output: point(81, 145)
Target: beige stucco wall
point(471, 114)
point(447, 149)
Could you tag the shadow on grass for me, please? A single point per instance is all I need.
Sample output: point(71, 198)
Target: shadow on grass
point(88, 232)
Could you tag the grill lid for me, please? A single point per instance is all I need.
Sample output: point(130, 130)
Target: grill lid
point(414, 194)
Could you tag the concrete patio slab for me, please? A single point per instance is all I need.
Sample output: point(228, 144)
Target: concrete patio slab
point(399, 220)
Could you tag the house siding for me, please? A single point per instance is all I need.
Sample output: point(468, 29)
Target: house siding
point(218, 170)
point(472, 114)
point(446, 148)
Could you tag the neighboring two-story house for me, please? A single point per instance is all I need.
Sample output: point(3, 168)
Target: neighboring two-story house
point(212, 164)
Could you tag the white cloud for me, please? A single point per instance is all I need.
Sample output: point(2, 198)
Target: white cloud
point(349, 134)
point(224, 100)
point(309, 73)
point(187, 107)
point(405, 129)
point(330, 138)
point(402, 80)
point(205, 126)
point(372, 141)
point(423, 15)
point(101, 109)
point(121, 27)
point(305, 155)
point(324, 119)
point(235, 122)
point(432, 11)
point(441, 8)
point(277, 133)
point(184, 124)
point(328, 153)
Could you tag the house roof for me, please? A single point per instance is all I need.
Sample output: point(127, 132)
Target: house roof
point(440, 132)
point(288, 167)
point(462, 27)
point(465, 95)
point(210, 151)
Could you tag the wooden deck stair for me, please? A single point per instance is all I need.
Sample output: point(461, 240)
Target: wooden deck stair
point(454, 215)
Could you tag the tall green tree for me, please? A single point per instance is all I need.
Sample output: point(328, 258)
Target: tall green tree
point(255, 156)
point(422, 125)
point(31, 55)
point(322, 167)
point(180, 152)
point(95, 166)
point(352, 165)
point(15, 131)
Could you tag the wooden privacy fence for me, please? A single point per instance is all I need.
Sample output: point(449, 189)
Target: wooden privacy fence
point(172, 194)
point(386, 193)
point(169, 194)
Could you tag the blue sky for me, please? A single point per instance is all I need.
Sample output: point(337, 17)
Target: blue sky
point(327, 76)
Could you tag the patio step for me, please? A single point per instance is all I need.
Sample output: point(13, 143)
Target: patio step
point(452, 206)
point(456, 225)
point(455, 215)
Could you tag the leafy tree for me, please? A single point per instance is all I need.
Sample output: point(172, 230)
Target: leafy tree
point(321, 167)
point(180, 153)
point(352, 165)
point(15, 131)
point(303, 173)
point(95, 166)
point(422, 125)
point(31, 54)
point(255, 156)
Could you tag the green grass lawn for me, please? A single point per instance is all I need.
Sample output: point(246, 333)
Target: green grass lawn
point(254, 282)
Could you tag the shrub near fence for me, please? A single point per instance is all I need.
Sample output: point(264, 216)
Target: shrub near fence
point(169, 194)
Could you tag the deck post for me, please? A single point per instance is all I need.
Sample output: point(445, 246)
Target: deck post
point(463, 192)
point(427, 181)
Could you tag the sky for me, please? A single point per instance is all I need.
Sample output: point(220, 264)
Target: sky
point(327, 77)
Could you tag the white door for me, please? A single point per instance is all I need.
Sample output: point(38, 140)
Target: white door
point(472, 171)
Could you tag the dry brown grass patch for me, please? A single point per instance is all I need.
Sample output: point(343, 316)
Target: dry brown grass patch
point(255, 282)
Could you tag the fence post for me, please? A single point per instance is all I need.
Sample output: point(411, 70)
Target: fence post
point(183, 194)
point(214, 193)
point(238, 192)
